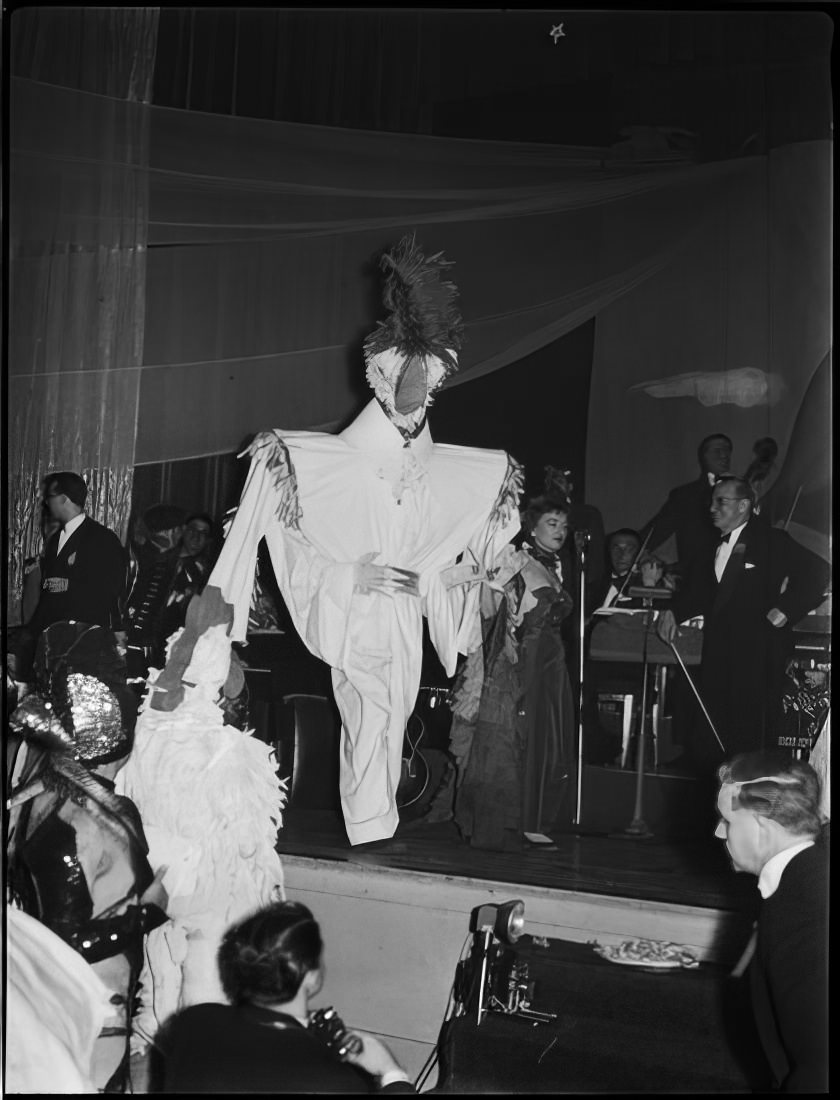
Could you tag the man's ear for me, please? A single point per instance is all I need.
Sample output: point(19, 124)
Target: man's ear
point(770, 834)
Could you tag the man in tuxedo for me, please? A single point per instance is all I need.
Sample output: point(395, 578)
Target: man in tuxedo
point(685, 514)
point(769, 807)
point(83, 572)
point(751, 591)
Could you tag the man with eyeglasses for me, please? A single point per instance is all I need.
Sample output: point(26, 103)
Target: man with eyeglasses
point(751, 591)
point(83, 572)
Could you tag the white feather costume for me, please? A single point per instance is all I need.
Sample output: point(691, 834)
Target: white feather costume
point(211, 803)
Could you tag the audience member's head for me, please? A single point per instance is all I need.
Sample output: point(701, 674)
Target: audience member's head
point(81, 706)
point(623, 546)
point(715, 454)
point(732, 503)
point(197, 536)
point(767, 802)
point(545, 521)
point(64, 495)
point(271, 956)
point(162, 525)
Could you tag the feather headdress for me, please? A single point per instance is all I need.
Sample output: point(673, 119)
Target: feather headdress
point(423, 320)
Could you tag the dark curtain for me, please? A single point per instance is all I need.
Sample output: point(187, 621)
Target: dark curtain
point(536, 409)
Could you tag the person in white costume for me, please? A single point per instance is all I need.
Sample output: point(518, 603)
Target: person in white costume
point(211, 804)
point(371, 529)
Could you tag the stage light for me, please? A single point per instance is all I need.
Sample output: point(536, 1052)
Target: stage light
point(506, 922)
point(493, 977)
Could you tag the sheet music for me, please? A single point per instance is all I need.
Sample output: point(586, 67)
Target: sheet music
point(623, 611)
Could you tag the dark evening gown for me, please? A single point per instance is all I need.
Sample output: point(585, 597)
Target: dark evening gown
point(516, 758)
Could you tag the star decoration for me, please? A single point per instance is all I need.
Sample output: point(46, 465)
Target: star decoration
point(557, 32)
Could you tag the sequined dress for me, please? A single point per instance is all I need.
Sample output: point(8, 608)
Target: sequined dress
point(516, 756)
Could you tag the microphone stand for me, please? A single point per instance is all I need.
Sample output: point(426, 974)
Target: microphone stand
point(584, 537)
point(637, 829)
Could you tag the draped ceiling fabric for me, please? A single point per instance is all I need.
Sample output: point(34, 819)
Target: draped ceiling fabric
point(261, 285)
point(754, 294)
point(78, 194)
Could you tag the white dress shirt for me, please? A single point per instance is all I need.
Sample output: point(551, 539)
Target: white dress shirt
point(725, 549)
point(771, 872)
point(68, 529)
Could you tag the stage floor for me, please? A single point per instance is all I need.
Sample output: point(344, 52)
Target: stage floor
point(672, 870)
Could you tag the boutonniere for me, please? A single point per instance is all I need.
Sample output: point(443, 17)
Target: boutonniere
point(72, 558)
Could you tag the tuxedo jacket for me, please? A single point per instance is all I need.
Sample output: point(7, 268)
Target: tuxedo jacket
point(85, 581)
point(789, 974)
point(211, 1048)
point(766, 569)
point(744, 656)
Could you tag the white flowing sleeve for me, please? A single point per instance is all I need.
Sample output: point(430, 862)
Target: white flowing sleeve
point(317, 590)
point(318, 593)
point(453, 614)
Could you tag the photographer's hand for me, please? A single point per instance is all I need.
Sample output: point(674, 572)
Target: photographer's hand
point(377, 1060)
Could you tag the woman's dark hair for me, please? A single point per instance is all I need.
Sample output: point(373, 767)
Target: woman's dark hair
point(265, 957)
point(540, 506)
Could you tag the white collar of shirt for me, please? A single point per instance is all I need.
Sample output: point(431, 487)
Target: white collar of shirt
point(712, 479)
point(771, 872)
point(69, 527)
point(724, 550)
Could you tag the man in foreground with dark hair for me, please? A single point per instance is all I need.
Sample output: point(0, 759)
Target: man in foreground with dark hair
point(266, 1039)
point(83, 571)
point(770, 818)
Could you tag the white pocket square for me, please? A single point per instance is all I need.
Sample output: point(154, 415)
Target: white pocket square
point(749, 565)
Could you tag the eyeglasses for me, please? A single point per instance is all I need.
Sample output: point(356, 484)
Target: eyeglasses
point(726, 500)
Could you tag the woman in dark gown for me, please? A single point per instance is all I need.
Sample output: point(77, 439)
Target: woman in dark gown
point(513, 728)
point(77, 852)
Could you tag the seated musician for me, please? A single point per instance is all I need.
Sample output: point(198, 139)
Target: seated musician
point(265, 1039)
point(629, 570)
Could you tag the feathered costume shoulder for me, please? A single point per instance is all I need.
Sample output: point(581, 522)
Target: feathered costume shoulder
point(208, 792)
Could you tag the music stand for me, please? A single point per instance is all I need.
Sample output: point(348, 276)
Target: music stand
point(637, 829)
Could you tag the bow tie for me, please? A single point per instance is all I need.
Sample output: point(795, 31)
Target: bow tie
point(724, 539)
